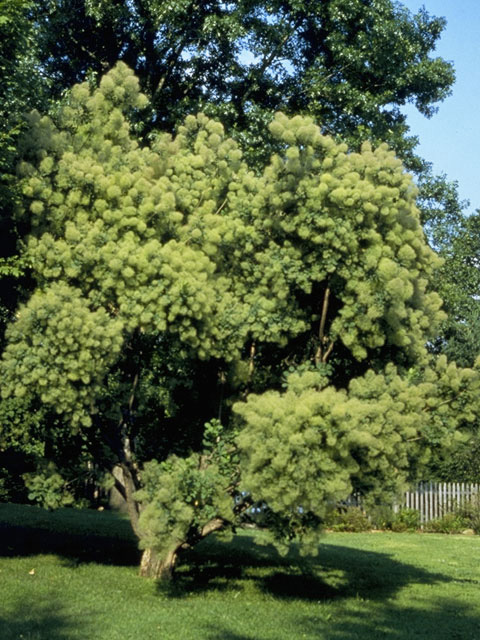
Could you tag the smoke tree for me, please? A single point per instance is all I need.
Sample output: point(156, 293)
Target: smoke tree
point(174, 264)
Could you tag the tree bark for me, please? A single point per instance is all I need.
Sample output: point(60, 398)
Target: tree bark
point(130, 487)
point(323, 351)
point(158, 566)
point(161, 566)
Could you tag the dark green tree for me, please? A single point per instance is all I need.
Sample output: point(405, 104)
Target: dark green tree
point(21, 89)
point(351, 64)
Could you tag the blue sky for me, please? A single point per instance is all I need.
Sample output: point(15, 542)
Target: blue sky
point(451, 138)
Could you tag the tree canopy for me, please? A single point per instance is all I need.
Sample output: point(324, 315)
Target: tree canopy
point(182, 237)
point(349, 65)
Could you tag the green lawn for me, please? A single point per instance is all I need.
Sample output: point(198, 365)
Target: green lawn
point(370, 585)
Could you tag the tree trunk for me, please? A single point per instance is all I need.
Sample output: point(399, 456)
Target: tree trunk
point(160, 567)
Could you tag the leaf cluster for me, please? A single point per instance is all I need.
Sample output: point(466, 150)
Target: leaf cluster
point(180, 496)
point(349, 64)
point(48, 488)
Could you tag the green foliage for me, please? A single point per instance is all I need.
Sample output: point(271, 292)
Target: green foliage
point(22, 426)
point(20, 84)
point(48, 488)
point(181, 237)
point(371, 437)
point(455, 237)
point(151, 259)
point(21, 89)
point(470, 512)
point(349, 519)
point(56, 361)
point(462, 464)
point(459, 286)
point(376, 516)
point(448, 523)
point(181, 496)
point(350, 65)
point(405, 520)
point(380, 515)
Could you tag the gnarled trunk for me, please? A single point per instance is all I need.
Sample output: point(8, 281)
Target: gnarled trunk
point(158, 566)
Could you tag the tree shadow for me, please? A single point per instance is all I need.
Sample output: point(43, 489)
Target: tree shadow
point(364, 585)
point(447, 620)
point(73, 548)
point(42, 621)
point(337, 572)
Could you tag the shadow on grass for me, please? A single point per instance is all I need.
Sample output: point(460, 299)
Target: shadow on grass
point(446, 620)
point(113, 542)
point(337, 572)
point(360, 586)
point(366, 583)
point(29, 621)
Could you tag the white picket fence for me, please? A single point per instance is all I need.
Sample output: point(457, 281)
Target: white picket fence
point(434, 499)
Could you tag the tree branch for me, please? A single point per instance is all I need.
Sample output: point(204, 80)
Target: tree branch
point(323, 319)
point(328, 351)
point(128, 465)
point(173, 58)
point(214, 525)
point(251, 362)
point(267, 61)
point(321, 356)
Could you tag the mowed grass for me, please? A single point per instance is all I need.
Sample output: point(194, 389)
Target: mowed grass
point(73, 575)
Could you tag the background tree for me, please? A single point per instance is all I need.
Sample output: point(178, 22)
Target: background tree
point(459, 247)
point(175, 256)
point(21, 88)
point(350, 65)
point(20, 91)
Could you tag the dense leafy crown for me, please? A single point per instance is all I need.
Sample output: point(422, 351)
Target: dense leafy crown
point(371, 437)
point(182, 237)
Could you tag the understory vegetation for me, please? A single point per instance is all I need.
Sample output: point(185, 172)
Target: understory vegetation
point(464, 518)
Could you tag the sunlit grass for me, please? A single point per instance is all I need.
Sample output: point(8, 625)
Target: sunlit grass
point(73, 575)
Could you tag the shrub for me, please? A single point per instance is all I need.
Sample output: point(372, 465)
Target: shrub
point(381, 516)
point(405, 520)
point(470, 511)
point(47, 488)
point(352, 519)
point(449, 523)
